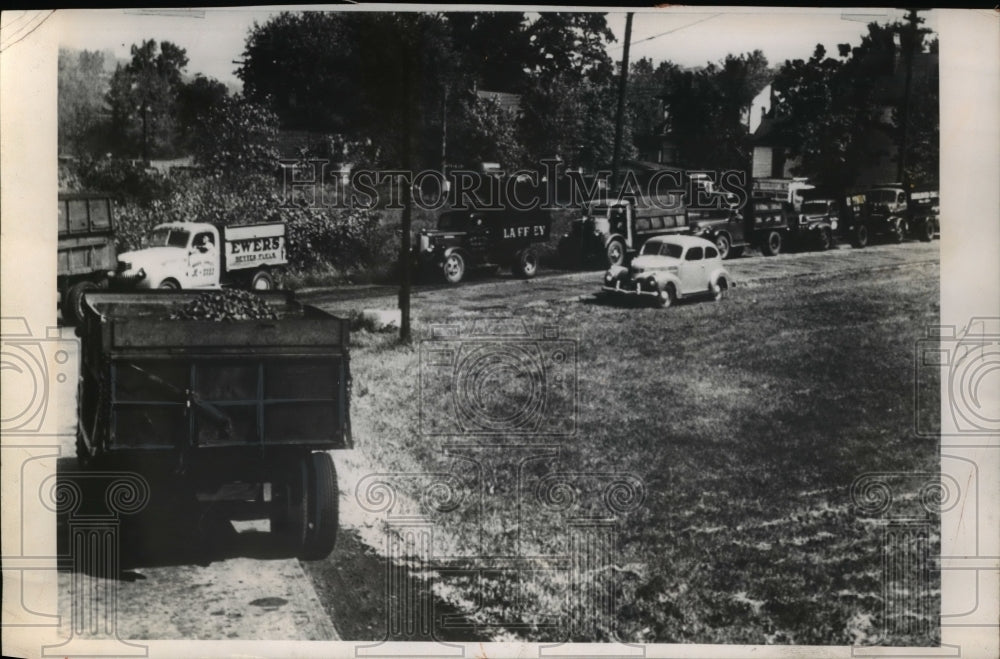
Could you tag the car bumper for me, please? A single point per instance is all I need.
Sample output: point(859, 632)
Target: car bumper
point(631, 288)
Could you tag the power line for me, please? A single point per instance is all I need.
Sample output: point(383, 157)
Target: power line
point(676, 29)
point(38, 25)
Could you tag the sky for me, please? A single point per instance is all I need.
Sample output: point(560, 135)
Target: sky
point(688, 36)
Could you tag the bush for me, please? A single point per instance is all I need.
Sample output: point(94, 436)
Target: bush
point(125, 180)
point(317, 237)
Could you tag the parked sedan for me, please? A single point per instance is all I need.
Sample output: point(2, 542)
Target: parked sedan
point(670, 268)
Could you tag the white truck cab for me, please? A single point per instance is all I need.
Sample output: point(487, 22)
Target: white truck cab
point(181, 255)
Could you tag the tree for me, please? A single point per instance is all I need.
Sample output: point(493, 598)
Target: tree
point(841, 115)
point(195, 100)
point(486, 132)
point(237, 137)
point(143, 98)
point(81, 88)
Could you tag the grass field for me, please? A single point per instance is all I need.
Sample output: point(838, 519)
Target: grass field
point(747, 421)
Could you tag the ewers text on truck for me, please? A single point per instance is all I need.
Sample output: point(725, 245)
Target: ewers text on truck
point(200, 255)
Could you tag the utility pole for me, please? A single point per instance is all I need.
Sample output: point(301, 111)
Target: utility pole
point(622, 83)
point(404, 249)
point(908, 39)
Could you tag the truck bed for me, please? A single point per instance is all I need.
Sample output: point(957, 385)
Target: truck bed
point(155, 383)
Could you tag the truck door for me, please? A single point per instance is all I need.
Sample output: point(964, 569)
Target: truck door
point(692, 271)
point(203, 260)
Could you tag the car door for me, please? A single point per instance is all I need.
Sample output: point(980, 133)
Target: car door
point(692, 270)
point(203, 257)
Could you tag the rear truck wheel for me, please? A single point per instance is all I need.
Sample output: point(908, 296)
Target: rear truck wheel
point(616, 253)
point(170, 285)
point(772, 244)
point(927, 231)
point(262, 281)
point(719, 289)
point(526, 263)
point(724, 245)
point(290, 505)
point(859, 236)
point(453, 268)
point(667, 296)
point(72, 308)
point(825, 240)
point(324, 501)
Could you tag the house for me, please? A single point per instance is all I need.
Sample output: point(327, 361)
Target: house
point(771, 154)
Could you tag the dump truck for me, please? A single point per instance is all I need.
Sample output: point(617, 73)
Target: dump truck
point(181, 255)
point(86, 249)
point(221, 404)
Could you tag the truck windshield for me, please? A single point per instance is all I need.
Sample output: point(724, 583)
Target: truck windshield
point(814, 207)
point(882, 196)
point(168, 238)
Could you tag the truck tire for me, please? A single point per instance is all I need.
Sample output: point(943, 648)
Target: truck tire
point(290, 506)
point(170, 285)
point(324, 502)
point(615, 253)
point(859, 236)
point(927, 231)
point(453, 268)
point(899, 231)
point(772, 244)
point(72, 308)
point(824, 240)
point(724, 245)
point(262, 281)
point(526, 263)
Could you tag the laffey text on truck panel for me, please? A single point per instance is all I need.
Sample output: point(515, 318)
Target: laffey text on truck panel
point(86, 248)
point(200, 255)
point(242, 411)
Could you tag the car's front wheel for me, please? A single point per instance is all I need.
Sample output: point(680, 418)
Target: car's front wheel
point(454, 268)
point(667, 296)
point(720, 289)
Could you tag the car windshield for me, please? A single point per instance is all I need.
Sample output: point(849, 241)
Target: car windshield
point(168, 238)
point(814, 207)
point(882, 196)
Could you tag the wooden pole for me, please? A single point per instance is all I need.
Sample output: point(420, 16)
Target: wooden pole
point(619, 121)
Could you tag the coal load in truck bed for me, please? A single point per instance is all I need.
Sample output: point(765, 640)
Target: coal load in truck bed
point(226, 305)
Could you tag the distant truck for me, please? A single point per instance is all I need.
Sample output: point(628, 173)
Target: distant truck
point(610, 231)
point(182, 255)
point(765, 224)
point(86, 249)
point(885, 211)
point(789, 190)
point(485, 239)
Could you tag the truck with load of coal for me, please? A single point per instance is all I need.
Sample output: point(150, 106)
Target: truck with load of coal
point(220, 396)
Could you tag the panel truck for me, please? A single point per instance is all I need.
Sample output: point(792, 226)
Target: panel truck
point(239, 409)
point(86, 249)
point(887, 210)
point(181, 255)
point(611, 231)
